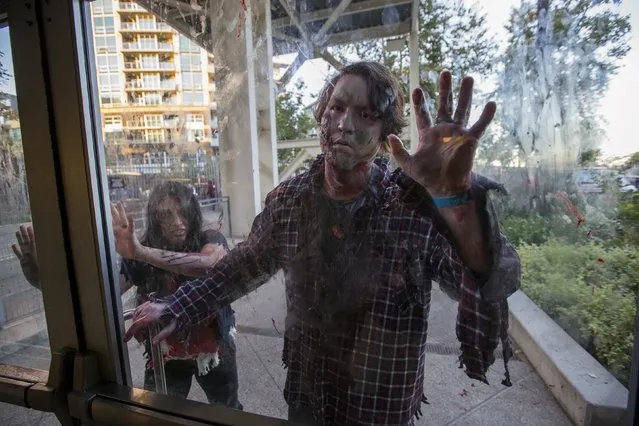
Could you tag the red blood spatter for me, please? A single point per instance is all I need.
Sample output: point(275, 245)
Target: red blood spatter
point(337, 232)
point(459, 213)
point(600, 260)
point(238, 32)
point(275, 327)
point(572, 209)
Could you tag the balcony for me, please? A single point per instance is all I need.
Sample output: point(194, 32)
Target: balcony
point(134, 46)
point(138, 66)
point(152, 102)
point(145, 27)
point(169, 85)
point(130, 6)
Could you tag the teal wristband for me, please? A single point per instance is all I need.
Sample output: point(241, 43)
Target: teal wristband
point(452, 201)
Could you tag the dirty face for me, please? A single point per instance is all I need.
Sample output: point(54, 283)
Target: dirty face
point(172, 222)
point(350, 129)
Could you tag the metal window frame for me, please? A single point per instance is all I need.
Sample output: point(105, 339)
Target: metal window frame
point(56, 84)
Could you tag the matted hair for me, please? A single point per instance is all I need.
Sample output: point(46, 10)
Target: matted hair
point(385, 95)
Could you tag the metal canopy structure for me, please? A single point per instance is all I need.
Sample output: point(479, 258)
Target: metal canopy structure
point(305, 27)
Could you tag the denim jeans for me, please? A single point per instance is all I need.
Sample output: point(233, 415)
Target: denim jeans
point(220, 384)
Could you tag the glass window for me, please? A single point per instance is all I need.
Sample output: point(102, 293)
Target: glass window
point(150, 61)
point(190, 62)
point(24, 338)
point(154, 120)
point(105, 44)
point(194, 118)
point(102, 7)
point(148, 42)
point(192, 80)
point(186, 45)
point(107, 63)
point(154, 136)
point(556, 145)
point(195, 135)
point(146, 23)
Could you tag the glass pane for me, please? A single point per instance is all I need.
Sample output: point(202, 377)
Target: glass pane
point(23, 330)
point(333, 291)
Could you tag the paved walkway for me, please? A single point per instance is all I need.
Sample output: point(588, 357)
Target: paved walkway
point(454, 399)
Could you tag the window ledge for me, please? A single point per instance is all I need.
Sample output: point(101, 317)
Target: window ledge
point(589, 394)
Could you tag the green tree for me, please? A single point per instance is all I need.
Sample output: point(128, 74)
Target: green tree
point(452, 36)
point(292, 121)
point(560, 58)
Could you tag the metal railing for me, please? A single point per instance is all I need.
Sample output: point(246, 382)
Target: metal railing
point(141, 46)
point(143, 66)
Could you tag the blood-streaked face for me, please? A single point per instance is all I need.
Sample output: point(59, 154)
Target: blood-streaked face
point(173, 223)
point(350, 129)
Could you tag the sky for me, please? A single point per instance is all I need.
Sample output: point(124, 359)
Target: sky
point(617, 107)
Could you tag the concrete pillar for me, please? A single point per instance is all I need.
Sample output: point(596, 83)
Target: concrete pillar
point(266, 91)
point(413, 74)
point(232, 47)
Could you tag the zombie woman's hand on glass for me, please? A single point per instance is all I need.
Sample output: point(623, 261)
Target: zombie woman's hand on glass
point(126, 241)
point(27, 254)
point(445, 151)
point(145, 315)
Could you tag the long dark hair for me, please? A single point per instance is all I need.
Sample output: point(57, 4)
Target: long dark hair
point(189, 210)
point(155, 279)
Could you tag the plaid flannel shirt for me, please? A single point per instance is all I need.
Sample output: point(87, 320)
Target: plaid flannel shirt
point(358, 293)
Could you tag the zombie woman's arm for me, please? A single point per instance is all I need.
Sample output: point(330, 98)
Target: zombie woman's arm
point(194, 264)
point(189, 264)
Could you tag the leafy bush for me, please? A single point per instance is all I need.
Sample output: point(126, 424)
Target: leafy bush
point(593, 301)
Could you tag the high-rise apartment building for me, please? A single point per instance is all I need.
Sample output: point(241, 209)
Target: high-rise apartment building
point(156, 89)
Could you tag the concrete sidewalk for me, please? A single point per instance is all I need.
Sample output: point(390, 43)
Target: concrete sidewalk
point(454, 398)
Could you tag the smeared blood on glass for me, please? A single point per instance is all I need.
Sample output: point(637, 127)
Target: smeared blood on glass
point(240, 22)
point(275, 327)
point(572, 209)
point(580, 220)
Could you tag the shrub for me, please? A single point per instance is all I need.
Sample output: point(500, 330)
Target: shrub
point(593, 301)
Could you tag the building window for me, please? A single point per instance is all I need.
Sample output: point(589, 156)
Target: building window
point(191, 80)
point(151, 99)
point(150, 61)
point(107, 63)
point(146, 23)
point(101, 7)
point(148, 42)
point(153, 120)
point(109, 82)
point(194, 118)
point(112, 120)
point(195, 135)
point(104, 44)
point(187, 45)
point(191, 97)
point(190, 62)
point(103, 25)
point(151, 81)
point(155, 136)
point(110, 99)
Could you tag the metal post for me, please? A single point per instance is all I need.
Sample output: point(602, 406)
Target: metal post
point(413, 79)
point(632, 416)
